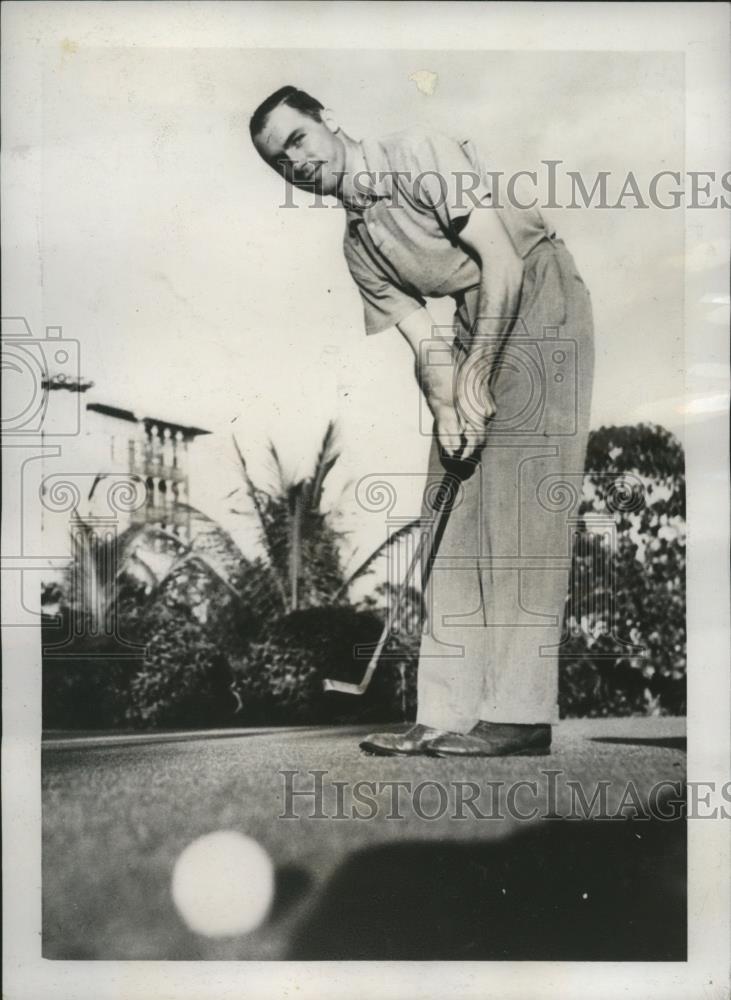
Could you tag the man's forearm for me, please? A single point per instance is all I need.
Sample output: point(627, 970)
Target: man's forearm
point(436, 381)
point(497, 308)
point(500, 283)
point(498, 305)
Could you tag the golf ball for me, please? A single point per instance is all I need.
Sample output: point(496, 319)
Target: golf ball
point(223, 884)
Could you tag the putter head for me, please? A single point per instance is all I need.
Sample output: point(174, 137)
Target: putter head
point(342, 687)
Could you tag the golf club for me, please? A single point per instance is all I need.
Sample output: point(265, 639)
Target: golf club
point(443, 501)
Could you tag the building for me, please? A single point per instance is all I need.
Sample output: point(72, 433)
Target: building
point(118, 469)
point(153, 451)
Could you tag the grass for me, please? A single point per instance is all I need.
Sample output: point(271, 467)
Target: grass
point(117, 816)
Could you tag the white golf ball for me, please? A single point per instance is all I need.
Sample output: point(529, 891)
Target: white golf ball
point(223, 884)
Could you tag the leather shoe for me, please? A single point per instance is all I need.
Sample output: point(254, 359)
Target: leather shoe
point(494, 739)
point(414, 741)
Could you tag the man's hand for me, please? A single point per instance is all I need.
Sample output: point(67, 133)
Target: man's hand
point(449, 431)
point(474, 435)
point(457, 393)
point(436, 381)
point(475, 402)
point(463, 407)
point(439, 385)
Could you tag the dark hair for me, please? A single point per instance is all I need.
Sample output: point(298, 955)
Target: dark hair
point(290, 96)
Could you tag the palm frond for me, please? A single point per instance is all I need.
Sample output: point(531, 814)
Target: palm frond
point(266, 539)
point(326, 459)
point(368, 562)
point(201, 559)
point(283, 480)
point(151, 578)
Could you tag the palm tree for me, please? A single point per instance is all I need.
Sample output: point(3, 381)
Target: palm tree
point(299, 538)
point(100, 561)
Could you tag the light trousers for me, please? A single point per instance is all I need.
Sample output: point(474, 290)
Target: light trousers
point(499, 577)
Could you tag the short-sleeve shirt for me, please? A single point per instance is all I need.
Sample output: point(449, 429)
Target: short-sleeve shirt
point(404, 245)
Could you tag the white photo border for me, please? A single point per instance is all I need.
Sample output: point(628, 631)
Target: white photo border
point(701, 32)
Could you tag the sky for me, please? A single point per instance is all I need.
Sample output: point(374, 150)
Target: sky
point(196, 297)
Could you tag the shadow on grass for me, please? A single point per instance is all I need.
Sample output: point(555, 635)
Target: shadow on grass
point(670, 742)
point(611, 890)
point(292, 883)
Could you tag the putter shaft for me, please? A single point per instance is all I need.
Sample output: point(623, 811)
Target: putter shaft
point(346, 687)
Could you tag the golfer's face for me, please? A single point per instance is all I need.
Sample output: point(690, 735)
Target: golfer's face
point(304, 151)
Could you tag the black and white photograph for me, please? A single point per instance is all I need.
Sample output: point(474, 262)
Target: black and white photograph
point(366, 521)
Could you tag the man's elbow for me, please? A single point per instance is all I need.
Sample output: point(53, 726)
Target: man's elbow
point(502, 263)
point(511, 279)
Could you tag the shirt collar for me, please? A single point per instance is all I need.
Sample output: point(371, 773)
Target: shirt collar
point(362, 185)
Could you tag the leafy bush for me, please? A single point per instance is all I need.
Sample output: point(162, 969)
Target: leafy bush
point(625, 645)
point(184, 678)
point(85, 686)
point(164, 667)
point(280, 678)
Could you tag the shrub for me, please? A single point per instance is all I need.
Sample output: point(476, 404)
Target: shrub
point(280, 678)
point(84, 685)
point(624, 652)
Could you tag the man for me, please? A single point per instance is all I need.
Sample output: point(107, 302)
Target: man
point(510, 408)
